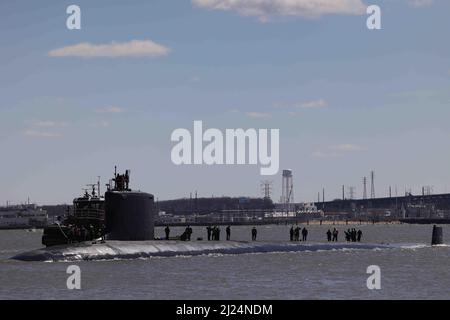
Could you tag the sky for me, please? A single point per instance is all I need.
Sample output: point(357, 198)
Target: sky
point(347, 100)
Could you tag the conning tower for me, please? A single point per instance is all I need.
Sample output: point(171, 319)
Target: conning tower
point(129, 215)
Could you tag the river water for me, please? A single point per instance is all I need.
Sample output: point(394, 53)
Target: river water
point(411, 270)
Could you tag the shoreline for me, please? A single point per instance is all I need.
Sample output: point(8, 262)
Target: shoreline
point(287, 222)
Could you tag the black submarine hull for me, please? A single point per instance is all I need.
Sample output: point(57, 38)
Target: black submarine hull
point(112, 250)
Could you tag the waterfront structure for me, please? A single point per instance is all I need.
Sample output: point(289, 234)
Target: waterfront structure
point(287, 190)
point(22, 217)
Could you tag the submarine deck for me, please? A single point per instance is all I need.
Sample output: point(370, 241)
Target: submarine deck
point(146, 249)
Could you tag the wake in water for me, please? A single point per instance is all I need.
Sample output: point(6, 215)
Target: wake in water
point(146, 249)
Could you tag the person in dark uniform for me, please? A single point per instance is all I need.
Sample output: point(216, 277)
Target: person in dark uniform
point(297, 234)
point(91, 232)
point(254, 233)
point(335, 234)
point(347, 235)
point(208, 232)
point(167, 231)
point(291, 233)
point(329, 235)
point(82, 233)
point(359, 235)
point(304, 234)
point(188, 233)
point(217, 234)
point(103, 232)
point(228, 230)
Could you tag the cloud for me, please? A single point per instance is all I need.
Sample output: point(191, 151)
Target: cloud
point(420, 3)
point(37, 127)
point(100, 124)
point(321, 154)
point(314, 104)
point(338, 150)
point(258, 115)
point(348, 147)
point(134, 48)
point(49, 124)
point(110, 109)
point(265, 9)
point(41, 134)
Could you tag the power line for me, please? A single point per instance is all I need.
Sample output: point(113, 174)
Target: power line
point(372, 187)
point(266, 189)
point(365, 188)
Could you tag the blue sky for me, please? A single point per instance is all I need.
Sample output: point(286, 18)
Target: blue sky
point(347, 100)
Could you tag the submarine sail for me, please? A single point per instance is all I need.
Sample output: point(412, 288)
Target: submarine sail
point(129, 215)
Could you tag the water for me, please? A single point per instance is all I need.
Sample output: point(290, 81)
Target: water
point(412, 270)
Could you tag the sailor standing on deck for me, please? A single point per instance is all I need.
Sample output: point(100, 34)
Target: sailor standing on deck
point(291, 233)
point(214, 233)
point(91, 232)
point(359, 235)
point(188, 233)
point(167, 231)
point(217, 234)
point(353, 235)
point(335, 234)
point(329, 235)
point(208, 232)
point(347, 235)
point(83, 233)
point(228, 230)
point(297, 234)
point(304, 234)
point(254, 233)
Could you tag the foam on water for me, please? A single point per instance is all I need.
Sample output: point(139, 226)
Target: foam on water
point(413, 246)
point(145, 249)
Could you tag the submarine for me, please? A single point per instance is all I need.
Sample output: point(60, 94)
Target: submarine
point(127, 250)
point(121, 214)
point(120, 225)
